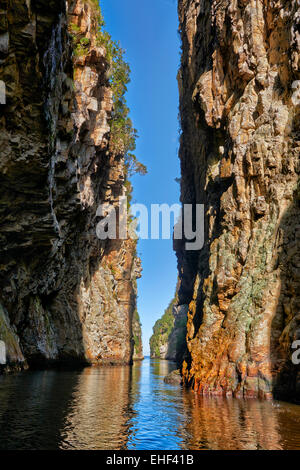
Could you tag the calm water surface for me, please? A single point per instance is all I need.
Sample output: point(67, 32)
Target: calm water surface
point(132, 408)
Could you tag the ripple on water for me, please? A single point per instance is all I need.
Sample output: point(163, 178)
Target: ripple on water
point(132, 408)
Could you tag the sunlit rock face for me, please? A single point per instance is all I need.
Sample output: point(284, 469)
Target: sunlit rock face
point(138, 354)
point(239, 106)
point(169, 332)
point(65, 295)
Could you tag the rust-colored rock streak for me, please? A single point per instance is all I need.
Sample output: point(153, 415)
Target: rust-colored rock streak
point(239, 102)
point(65, 295)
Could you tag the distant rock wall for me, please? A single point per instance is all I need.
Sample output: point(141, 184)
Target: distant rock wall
point(169, 333)
point(239, 104)
point(64, 294)
point(138, 354)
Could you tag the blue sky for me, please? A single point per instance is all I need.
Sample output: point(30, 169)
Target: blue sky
point(147, 30)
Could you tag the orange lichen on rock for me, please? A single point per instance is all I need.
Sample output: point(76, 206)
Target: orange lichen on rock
point(240, 157)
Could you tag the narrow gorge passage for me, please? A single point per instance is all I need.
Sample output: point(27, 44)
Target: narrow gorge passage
point(110, 242)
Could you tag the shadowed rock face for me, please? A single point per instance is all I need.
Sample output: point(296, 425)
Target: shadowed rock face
point(65, 295)
point(239, 106)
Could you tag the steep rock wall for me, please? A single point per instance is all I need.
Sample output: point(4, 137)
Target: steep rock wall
point(169, 332)
point(65, 295)
point(239, 105)
point(138, 354)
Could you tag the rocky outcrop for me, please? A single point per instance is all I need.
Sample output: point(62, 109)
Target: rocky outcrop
point(138, 354)
point(65, 295)
point(173, 378)
point(239, 104)
point(169, 332)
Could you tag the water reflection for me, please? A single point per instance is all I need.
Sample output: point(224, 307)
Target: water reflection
point(156, 407)
point(132, 408)
point(216, 423)
point(99, 415)
point(33, 406)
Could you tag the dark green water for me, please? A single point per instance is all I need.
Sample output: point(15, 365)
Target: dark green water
point(132, 408)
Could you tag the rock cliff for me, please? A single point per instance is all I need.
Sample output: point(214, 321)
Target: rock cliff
point(138, 354)
point(65, 295)
point(239, 104)
point(169, 332)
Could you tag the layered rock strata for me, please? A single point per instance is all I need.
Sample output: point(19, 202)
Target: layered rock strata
point(65, 295)
point(239, 103)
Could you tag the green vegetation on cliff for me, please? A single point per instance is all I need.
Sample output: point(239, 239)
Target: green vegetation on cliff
point(137, 336)
point(162, 330)
point(169, 332)
point(123, 134)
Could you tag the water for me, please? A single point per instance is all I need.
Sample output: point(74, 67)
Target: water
point(132, 408)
